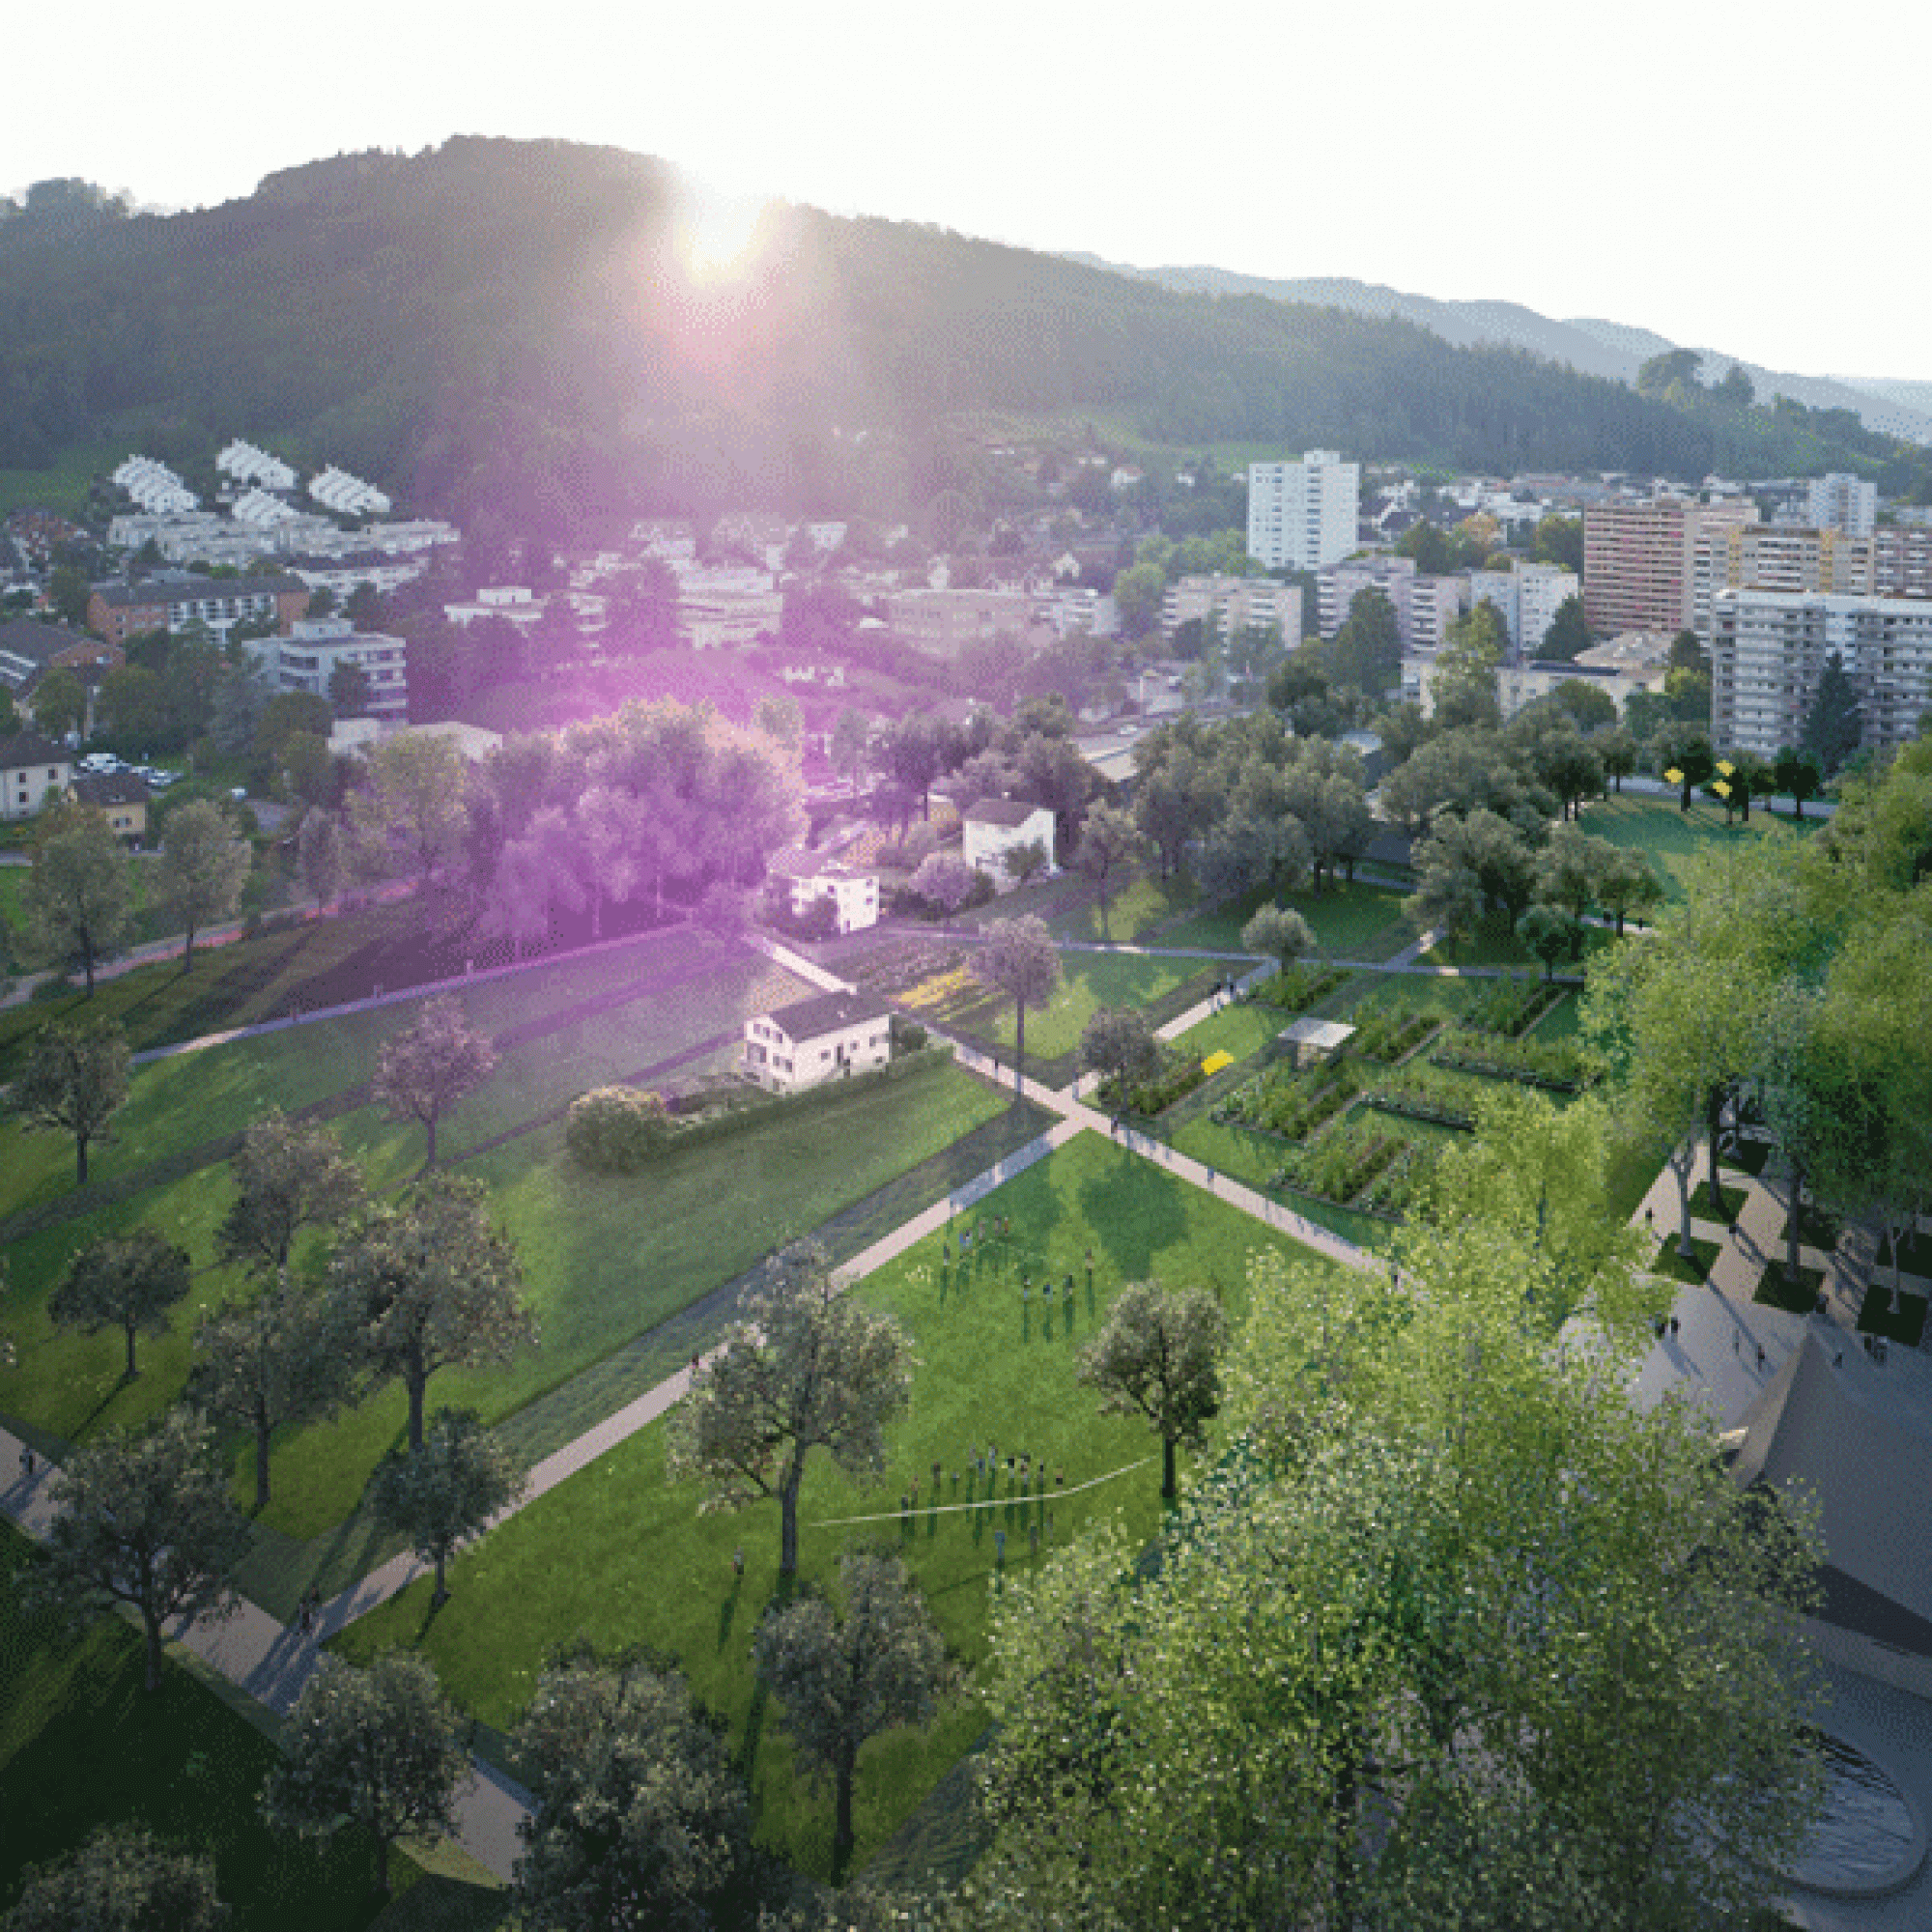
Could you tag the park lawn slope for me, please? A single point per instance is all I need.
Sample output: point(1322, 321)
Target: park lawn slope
point(619, 1555)
point(1348, 920)
point(82, 1745)
point(1664, 834)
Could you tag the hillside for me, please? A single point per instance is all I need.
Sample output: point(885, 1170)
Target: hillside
point(508, 331)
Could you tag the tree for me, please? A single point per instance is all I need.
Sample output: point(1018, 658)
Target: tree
point(944, 879)
point(851, 746)
point(413, 802)
point(1026, 860)
point(1685, 751)
point(1367, 650)
point(77, 891)
point(430, 1285)
point(59, 703)
point(1628, 887)
point(120, 1880)
point(1118, 1043)
point(1553, 933)
point(843, 1680)
point(319, 854)
point(1572, 868)
point(1569, 633)
point(350, 690)
point(613, 837)
point(202, 870)
point(288, 1175)
point(1020, 959)
point(380, 1749)
point(1280, 932)
point(130, 703)
point(1137, 598)
point(1492, 850)
point(425, 1069)
point(1463, 688)
point(642, 1819)
point(808, 1368)
point(1797, 775)
point(306, 774)
point(1833, 725)
point(1592, 707)
point(452, 1488)
point(1110, 842)
point(1158, 1356)
point(1618, 750)
point(121, 1281)
point(145, 1520)
point(1332, 1702)
point(75, 1082)
point(262, 1365)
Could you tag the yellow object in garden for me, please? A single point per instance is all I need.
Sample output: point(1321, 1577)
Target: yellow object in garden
point(1214, 1062)
point(1722, 790)
point(1673, 777)
point(1725, 766)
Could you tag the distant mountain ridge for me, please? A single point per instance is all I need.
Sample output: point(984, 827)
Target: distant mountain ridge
point(1589, 345)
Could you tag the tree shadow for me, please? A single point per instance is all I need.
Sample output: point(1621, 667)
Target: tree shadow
point(727, 1610)
point(1136, 1210)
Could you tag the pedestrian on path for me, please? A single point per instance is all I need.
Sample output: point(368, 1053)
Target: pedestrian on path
point(999, 1549)
point(738, 1563)
point(26, 1463)
point(1760, 1354)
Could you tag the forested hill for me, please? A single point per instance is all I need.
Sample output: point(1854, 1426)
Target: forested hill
point(511, 327)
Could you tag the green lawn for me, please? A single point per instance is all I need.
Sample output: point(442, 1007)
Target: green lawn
point(62, 485)
point(1656, 827)
point(1133, 911)
point(1669, 1262)
point(621, 1556)
point(82, 1745)
point(1243, 1029)
point(1349, 920)
point(605, 1259)
point(1091, 981)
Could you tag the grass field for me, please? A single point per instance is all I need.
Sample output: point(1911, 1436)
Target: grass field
point(1350, 921)
point(61, 487)
point(1657, 827)
point(83, 1745)
point(603, 1258)
point(621, 1556)
point(1091, 981)
point(1133, 912)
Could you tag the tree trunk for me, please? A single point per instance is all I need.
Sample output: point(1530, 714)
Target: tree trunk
point(80, 1156)
point(151, 1626)
point(264, 1428)
point(187, 952)
point(1019, 1051)
point(417, 1380)
point(132, 1370)
point(789, 1522)
point(1169, 1482)
point(87, 966)
point(841, 1828)
point(440, 1596)
point(1792, 1263)
point(1713, 1115)
point(1686, 1249)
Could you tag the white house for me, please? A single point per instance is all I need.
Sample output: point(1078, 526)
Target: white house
point(854, 895)
point(828, 1036)
point(34, 771)
point(996, 826)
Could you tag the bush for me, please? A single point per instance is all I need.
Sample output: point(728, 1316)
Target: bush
point(1556, 1063)
point(1297, 990)
point(616, 1130)
point(1174, 1079)
point(1509, 1005)
point(55, 986)
point(1388, 1033)
point(908, 1035)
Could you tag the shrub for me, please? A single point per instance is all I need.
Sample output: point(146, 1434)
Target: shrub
point(1509, 1005)
point(1289, 1104)
point(55, 986)
point(1558, 1063)
point(1176, 1076)
point(1340, 1164)
point(1388, 1033)
point(908, 1035)
point(616, 1130)
point(1297, 990)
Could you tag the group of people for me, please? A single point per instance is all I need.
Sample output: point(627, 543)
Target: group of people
point(982, 1468)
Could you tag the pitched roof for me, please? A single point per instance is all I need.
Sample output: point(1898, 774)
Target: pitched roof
point(1001, 812)
point(29, 748)
point(38, 642)
point(827, 1012)
point(111, 789)
point(192, 590)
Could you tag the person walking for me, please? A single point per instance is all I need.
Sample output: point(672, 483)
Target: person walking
point(738, 1563)
point(999, 1549)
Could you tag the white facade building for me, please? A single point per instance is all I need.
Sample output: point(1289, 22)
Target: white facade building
point(247, 463)
point(1841, 503)
point(307, 658)
point(1769, 648)
point(854, 896)
point(349, 496)
point(511, 602)
point(1304, 514)
point(155, 486)
point(997, 826)
point(1528, 597)
point(830, 1036)
point(33, 772)
point(1236, 604)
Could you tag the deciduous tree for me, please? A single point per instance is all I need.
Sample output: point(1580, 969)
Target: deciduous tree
point(202, 870)
point(77, 891)
point(75, 1082)
point(1021, 960)
point(840, 1680)
point(944, 879)
point(1110, 842)
point(430, 1283)
point(808, 1368)
point(380, 1749)
point(120, 1880)
point(426, 1069)
point(1118, 1043)
point(1158, 1356)
point(452, 1488)
point(145, 1520)
point(127, 1282)
point(1281, 932)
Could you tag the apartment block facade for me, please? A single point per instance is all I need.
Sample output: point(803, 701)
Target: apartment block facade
point(1425, 607)
point(118, 612)
point(1304, 515)
point(1841, 503)
point(1640, 561)
point(1527, 598)
point(1769, 648)
point(1236, 604)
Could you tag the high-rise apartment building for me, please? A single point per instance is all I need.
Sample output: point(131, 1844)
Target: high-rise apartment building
point(1527, 598)
point(1304, 514)
point(1902, 560)
point(1840, 502)
point(1769, 648)
point(1425, 607)
point(1640, 561)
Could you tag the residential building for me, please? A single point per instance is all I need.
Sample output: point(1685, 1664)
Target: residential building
point(34, 771)
point(1902, 561)
point(941, 622)
point(1639, 561)
point(357, 736)
point(1304, 514)
point(1528, 597)
point(1841, 503)
point(317, 647)
point(997, 826)
point(1776, 556)
point(1518, 685)
point(511, 602)
point(28, 651)
point(348, 495)
point(1425, 607)
point(357, 570)
point(1769, 648)
point(118, 612)
point(812, 877)
point(154, 486)
point(727, 605)
point(828, 1036)
point(262, 510)
point(119, 797)
point(1236, 604)
point(247, 463)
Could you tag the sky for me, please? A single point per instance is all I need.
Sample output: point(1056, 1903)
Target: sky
point(1742, 178)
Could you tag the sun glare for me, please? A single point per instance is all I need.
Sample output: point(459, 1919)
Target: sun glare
point(719, 234)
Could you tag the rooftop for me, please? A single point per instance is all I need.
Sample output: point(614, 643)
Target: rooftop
point(827, 1012)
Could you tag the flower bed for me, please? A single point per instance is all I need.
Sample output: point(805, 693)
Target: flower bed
point(1178, 1076)
point(1557, 1065)
point(1510, 1006)
point(1388, 1032)
point(1289, 1105)
point(1298, 988)
point(1341, 1163)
